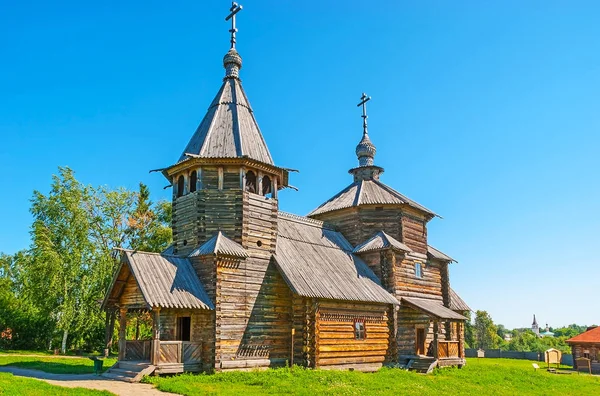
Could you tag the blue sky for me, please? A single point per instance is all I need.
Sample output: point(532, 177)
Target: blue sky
point(485, 113)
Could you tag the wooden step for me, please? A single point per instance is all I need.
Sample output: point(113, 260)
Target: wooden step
point(118, 377)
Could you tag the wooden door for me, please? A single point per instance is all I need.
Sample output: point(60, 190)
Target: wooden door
point(420, 347)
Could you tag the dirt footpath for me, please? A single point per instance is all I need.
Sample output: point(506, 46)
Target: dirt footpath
point(88, 381)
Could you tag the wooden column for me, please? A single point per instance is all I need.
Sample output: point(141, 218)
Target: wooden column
point(186, 183)
point(220, 175)
point(155, 358)
point(275, 187)
point(175, 186)
point(122, 332)
point(259, 183)
point(461, 343)
point(199, 179)
point(436, 329)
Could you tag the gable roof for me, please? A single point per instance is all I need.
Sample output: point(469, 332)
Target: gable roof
point(165, 281)
point(219, 244)
point(367, 192)
point(590, 336)
point(317, 261)
point(380, 241)
point(229, 129)
point(436, 254)
point(457, 303)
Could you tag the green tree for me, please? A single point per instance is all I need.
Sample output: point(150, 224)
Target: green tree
point(149, 224)
point(62, 267)
point(486, 336)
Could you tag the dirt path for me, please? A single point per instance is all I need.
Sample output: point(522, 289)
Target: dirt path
point(89, 381)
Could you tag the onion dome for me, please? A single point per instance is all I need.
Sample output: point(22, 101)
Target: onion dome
point(365, 151)
point(232, 61)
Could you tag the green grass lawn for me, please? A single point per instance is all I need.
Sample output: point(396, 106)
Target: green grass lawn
point(56, 365)
point(19, 386)
point(479, 377)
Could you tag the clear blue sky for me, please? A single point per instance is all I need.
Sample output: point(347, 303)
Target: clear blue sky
point(487, 114)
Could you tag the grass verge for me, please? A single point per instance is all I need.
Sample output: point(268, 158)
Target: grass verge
point(19, 386)
point(55, 365)
point(484, 376)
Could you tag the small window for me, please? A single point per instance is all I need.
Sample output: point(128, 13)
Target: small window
point(180, 186)
point(193, 181)
point(359, 329)
point(418, 270)
point(250, 182)
point(184, 328)
point(266, 185)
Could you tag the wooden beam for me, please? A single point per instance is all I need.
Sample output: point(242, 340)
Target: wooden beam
point(155, 336)
point(122, 332)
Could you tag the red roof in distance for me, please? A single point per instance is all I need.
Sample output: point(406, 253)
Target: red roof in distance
point(592, 335)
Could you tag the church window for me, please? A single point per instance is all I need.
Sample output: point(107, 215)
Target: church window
point(180, 185)
point(266, 185)
point(418, 270)
point(193, 181)
point(251, 182)
point(184, 328)
point(360, 332)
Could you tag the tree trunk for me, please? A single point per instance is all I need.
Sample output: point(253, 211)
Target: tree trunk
point(64, 341)
point(111, 316)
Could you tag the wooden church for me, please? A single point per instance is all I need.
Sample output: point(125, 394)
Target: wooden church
point(353, 285)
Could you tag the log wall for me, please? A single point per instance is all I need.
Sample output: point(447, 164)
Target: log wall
point(131, 296)
point(408, 285)
point(202, 330)
point(336, 345)
point(199, 215)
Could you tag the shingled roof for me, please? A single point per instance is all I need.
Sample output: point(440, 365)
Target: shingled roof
point(432, 307)
point(457, 303)
point(164, 281)
point(380, 241)
point(229, 129)
point(317, 261)
point(436, 254)
point(367, 192)
point(219, 244)
point(590, 336)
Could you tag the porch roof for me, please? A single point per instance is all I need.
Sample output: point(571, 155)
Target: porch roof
point(164, 281)
point(432, 308)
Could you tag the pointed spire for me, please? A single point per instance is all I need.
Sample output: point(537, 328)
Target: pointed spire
point(232, 60)
point(365, 150)
point(534, 321)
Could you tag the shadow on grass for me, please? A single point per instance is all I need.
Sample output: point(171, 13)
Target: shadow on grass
point(53, 367)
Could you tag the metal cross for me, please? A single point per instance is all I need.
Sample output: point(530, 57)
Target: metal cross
point(363, 102)
point(235, 8)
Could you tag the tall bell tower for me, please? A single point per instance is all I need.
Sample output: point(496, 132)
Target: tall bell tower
point(225, 187)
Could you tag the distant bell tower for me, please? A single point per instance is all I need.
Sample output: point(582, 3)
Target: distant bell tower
point(535, 327)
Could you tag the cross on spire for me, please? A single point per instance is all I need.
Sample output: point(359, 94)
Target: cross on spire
point(363, 102)
point(235, 8)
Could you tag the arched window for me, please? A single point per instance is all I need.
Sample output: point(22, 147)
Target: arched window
point(180, 186)
point(250, 182)
point(193, 181)
point(266, 185)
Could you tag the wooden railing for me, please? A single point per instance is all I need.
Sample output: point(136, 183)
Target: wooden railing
point(138, 350)
point(180, 352)
point(449, 349)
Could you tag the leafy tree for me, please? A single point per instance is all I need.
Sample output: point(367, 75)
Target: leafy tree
point(486, 336)
point(149, 224)
point(469, 332)
point(62, 268)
